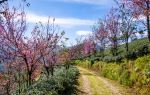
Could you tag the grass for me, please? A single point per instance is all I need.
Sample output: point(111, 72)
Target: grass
point(97, 86)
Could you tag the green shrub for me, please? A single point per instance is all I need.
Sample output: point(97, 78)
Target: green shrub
point(111, 58)
point(107, 59)
point(125, 78)
point(63, 82)
point(111, 71)
point(83, 63)
point(142, 67)
point(97, 66)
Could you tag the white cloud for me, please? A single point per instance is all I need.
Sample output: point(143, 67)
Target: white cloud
point(65, 22)
point(141, 18)
point(83, 33)
point(143, 35)
point(95, 2)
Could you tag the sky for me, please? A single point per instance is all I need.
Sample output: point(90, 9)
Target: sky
point(75, 17)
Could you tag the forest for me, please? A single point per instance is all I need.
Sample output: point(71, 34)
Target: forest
point(113, 60)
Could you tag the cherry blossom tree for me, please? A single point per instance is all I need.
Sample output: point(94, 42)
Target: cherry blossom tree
point(140, 9)
point(12, 31)
point(68, 55)
point(88, 47)
point(127, 23)
point(101, 35)
point(49, 38)
point(112, 27)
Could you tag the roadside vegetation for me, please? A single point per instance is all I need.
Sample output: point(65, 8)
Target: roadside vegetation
point(134, 74)
point(64, 82)
point(133, 71)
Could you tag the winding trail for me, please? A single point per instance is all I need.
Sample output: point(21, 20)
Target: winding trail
point(92, 84)
point(86, 85)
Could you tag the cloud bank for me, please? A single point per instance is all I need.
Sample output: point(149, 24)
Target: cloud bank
point(72, 22)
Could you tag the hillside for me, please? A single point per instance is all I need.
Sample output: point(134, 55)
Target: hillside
point(137, 48)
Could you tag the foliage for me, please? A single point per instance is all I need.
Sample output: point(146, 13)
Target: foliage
point(84, 63)
point(110, 71)
point(62, 83)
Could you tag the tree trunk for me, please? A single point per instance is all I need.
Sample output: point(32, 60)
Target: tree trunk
point(52, 70)
point(30, 79)
point(127, 46)
point(19, 82)
point(47, 71)
point(8, 89)
point(28, 71)
point(148, 20)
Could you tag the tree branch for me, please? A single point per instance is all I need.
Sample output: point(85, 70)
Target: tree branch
point(2, 1)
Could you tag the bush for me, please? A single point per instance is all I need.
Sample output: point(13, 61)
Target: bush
point(125, 78)
point(111, 71)
point(62, 83)
point(83, 63)
point(142, 67)
point(143, 50)
point(97, 66)
point(111, 58)
point(107, 59)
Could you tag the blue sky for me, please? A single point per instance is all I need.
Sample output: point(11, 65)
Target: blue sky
point(75, 17)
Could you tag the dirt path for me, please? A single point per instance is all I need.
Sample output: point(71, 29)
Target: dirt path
point(92, 84)
point(86, 85)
